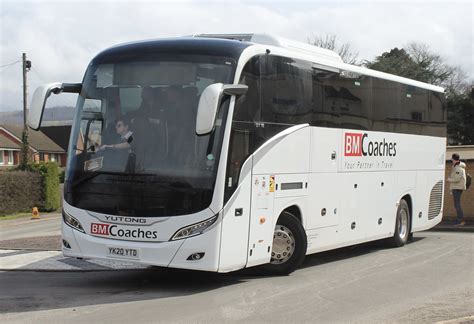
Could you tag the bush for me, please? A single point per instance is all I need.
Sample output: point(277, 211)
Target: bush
point(20, 191)
point(50, 198)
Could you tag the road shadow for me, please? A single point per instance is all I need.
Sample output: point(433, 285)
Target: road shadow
point(350, 252)
point(24, 291)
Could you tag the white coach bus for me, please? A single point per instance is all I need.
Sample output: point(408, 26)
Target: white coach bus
point(219, 152)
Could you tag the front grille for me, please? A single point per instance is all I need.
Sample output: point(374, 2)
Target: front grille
point(436, 199)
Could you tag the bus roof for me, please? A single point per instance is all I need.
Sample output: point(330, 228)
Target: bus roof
point(317, 55)
point(152, 47)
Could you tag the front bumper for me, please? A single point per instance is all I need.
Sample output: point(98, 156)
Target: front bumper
point(173, 254)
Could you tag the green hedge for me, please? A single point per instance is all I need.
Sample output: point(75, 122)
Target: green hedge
point(20, 191)
point(50, 197)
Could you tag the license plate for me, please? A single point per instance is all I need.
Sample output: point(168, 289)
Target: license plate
point(121, 252)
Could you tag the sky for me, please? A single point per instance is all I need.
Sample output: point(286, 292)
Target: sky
point(61, 37)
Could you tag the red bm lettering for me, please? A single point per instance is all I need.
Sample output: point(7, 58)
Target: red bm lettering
point(352, 144)
point(100, 229)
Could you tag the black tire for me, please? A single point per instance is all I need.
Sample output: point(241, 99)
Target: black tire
point(402, 225)
point(281, 264)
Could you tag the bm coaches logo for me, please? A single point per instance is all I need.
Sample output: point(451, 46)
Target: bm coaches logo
point(359, 144)
point(116, 231)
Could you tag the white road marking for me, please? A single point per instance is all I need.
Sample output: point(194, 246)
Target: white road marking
point(54, 261)
point(23, 260)
point(6, 251)
point(467, 319)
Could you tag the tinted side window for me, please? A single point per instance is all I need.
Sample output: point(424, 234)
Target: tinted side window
point(356, 100)
point(324, 109)
point(286, 91)
point(386, 105)
point(437, 113)
point(341, 99)
point(407, 109)
point(247, 107)
point(245, 134)
point(414, 110)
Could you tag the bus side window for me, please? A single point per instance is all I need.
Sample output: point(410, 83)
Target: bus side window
point(437, 113)
point(286, 91)
point(243, 134)
point(386, 105)
point(414, 110)
point(247, 107)
point(341, 100)
point(323, 114)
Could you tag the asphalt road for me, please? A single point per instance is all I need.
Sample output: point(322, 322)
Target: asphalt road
point(429, 280)
point(25, 227)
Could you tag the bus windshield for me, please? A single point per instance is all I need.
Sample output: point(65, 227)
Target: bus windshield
point(134, 150)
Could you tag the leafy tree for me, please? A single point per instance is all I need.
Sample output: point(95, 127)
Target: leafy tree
point(461, 119)
point(330, 42)
point(401, 63)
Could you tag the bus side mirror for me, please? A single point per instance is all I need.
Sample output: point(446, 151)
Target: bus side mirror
point(209, 102)
point(41, 96)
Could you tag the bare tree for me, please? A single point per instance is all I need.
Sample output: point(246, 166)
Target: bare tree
point(458, 83)
point(330, 42)
point(430, 63)
point(436, 71)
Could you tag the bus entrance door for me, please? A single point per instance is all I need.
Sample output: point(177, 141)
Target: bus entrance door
point(261, 220)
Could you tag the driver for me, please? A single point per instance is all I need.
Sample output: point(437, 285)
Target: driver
point(126, 136)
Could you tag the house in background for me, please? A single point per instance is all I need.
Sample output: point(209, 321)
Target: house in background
point(42, 148)
point(9, 151)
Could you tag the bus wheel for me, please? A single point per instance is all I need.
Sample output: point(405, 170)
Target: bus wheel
point(402, 225)
point(289, 246)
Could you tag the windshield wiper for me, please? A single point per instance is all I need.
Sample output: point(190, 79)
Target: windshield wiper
point(95, 174)
point(85, 178)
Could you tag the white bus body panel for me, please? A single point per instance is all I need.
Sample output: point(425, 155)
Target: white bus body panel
point(246, 240)
point(367, 190)
point(282, 162)
point(235, 227)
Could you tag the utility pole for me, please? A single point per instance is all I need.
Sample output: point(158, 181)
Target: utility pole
point(24, 137)
point(26, 68)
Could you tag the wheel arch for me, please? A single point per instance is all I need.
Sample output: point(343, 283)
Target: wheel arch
point(407, 197)
point(295, 210)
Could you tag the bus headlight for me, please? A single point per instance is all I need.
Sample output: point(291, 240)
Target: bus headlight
point(72, 222)
point(194, 229)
